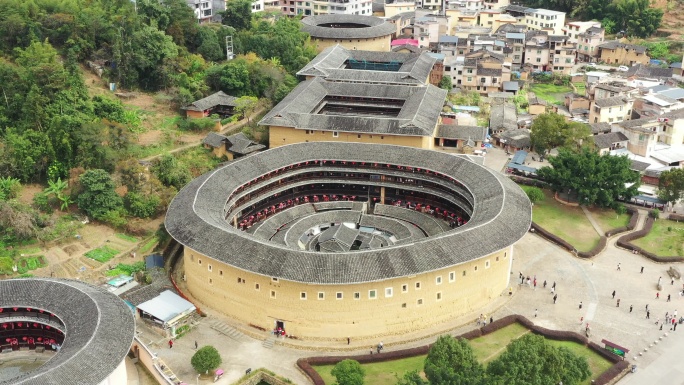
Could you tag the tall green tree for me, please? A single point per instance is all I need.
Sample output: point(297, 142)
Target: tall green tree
point(452, 362)
point(530, 360)
point(671, 185)
point(348, 372)
point(98, 196)
point(595, 179)
point(238, 14)
point(550, 130)
point(9, 188)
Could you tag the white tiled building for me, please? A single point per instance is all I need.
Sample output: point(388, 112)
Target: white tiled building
point(203, 9)
point(324, 7)
point(545, 20)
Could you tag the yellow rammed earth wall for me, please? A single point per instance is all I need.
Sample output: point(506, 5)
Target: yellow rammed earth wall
point(280, 136)
point(381, 43)
point(400, 305)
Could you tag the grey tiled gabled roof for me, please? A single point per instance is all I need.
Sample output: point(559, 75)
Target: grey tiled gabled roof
point(237, 143)
point(452, 131)
point(99, 329)
point(217, 99)
point(650, 72)
point(615, 44)
point(376, 27)
point(597, 128)
point(503, 117)
point(639, 166)
point(331, 65)
point(195, 218)
point(603, 141)
point(611, 102)
point(418, 115)
point(214, 140)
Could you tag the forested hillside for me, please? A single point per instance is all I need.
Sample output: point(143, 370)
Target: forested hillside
point(48, 122)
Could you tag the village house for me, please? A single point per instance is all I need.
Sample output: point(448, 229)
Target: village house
point(588, 42)
point(604, 143)
point(574, 29)
point(610, 110)
point(617, 53)
point(218, 103)
point(231, 147)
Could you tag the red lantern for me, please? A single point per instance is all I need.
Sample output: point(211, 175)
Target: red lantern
point(40, 339)
point(15, 308)
point(47, 327)
point(24, 338)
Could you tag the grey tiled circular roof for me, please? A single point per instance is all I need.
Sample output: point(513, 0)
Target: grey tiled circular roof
point(376, 27)
point(99, 329)
point(195, 218)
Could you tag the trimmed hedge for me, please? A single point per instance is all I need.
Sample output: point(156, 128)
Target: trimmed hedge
point(597, 249)
point(630, 226)
point(676, 217)
point(625, 241)
point(529, 181)
point(619, 365)
point(613, 372)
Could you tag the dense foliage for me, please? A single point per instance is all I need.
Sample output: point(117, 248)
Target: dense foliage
point(671, 185)
point(596, 179)
point(452, 362)
point(531, 360)
point(551, 130)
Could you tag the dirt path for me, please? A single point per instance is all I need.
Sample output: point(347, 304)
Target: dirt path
point(198, 139)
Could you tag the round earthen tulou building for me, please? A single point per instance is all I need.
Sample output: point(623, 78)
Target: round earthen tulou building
point(334, 240)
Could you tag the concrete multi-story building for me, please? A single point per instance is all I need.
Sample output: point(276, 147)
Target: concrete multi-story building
point(610, 110)
point(496, 4)
point(615, 52)
point(562, 54)
point(203, 9)
point(573, 29)
point(646, 134)
point(537, 51)
point(428, 29)
point(545, 20)
point(324, 7)
point(588, 42)
point(394, 8)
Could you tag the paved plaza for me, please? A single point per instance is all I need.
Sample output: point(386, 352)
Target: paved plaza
point(590, 282)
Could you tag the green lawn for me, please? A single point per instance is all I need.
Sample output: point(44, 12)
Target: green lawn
point(127, 237)
point(567, 222)
point(381, 373)
point(608, 219)
point(662, 242)
point(102, 254)
point(147, 246)
point(581, 87)
point(490, 346)
point(550, 92)
point(486, 348)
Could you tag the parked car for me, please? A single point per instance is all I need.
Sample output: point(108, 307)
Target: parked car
point(592, 64)
point(623, 68)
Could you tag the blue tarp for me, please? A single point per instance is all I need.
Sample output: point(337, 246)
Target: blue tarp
point(520, 167)
point(649, 199)
point(519, 157)
point(154, 260)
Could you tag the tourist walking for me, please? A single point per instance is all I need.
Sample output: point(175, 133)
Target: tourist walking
point(630, 308)
point(668, 298)
point(648, 314)
point(618, 302)
point(555, 297)
point(613, 294)
point(170, 344)
point(580, 305)
point(618, 267)
point(657, 295)
point(642, 270)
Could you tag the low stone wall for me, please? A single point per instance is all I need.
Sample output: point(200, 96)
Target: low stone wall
point(618, 369)
point(625, 241)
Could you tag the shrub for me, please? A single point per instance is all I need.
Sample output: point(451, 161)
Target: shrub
point(205, 359)
point(655, 213)
point(196, 124)
point(535, 194)
point(348, 372)
point(620, 209)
